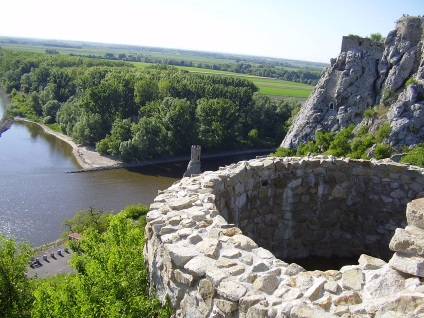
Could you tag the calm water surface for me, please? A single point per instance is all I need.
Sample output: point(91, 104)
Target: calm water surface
point(36, 193)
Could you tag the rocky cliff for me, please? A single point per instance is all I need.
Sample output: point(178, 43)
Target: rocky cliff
point(388, 77)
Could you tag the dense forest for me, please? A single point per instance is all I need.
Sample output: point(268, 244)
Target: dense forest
point(132, 113)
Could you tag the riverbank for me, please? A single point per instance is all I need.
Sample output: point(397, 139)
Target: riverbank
point(5, 123)
point(90, 160)
point(87, 157)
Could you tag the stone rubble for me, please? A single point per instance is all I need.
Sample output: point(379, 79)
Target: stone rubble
point(200, 259)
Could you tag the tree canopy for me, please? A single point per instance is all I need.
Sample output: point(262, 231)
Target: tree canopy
point(158, 111)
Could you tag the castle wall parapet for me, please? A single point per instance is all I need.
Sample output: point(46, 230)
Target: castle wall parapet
point(363, 44)
point(212, 239)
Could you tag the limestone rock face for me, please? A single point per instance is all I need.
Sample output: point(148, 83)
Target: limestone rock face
point(368, 74)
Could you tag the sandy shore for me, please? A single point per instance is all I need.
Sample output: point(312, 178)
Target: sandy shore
point(87, 157)
point(90, 160)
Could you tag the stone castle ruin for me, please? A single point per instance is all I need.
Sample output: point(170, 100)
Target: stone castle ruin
point(367, 74)
point(220, 244)
point(194, 166)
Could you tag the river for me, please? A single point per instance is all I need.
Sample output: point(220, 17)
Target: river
point(36, 193)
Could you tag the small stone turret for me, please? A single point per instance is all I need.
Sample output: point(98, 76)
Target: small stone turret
point(194, 164)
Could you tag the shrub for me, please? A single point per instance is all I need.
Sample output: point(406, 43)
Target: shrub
point(382, 151)
point(282, 152)
point(415, 156)
point(135, 211)
point(340, 145)
point(383, 132)
point(323, 140)
point(362, 131)
point(369, 113)
point(309, 147)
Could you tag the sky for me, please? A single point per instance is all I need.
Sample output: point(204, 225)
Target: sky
point(309, 30)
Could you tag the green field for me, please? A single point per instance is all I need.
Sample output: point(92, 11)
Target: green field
point(268, 86)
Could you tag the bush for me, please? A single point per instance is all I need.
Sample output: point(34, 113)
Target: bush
point(135, 211)
point(282, 152)
point(382, 151)
point(340, 145)
point(369, 113)
point(307, 148)
point(383, 132)
point(415, 156)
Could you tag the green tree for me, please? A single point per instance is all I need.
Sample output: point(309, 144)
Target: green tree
point(96, 220)
point(177, 117)
point(111, 279)
point(15, 287)
point(218, 125)
point(121, 131)
point(50, 108)
point(150, 139)
point(88, 129)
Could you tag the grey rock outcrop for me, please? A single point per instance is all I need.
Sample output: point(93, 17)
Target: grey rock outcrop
point(368, 74)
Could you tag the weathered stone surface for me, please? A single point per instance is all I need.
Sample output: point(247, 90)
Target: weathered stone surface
point(415, 213)
point(257, 311)
point(408, 242)
point(352, 279)
point(293, 269)
point(316, 290)
point(226, 306)
point(407, 264)
point(347, 298)
point(208, 247)
point(231, 231)
point(369, 262)
point(206, 291)
point(180, 204)
point(198, 265)
point(248, 301)
point(307, 311)
point(402, 304)
point(388, 282)
point(183, 278)
point(332, 287)
point(231, 290)
point(243, 242)
point(266, 283)
point(180, 254)
point(215, 275)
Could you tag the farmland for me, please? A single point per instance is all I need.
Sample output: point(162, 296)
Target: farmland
point(188, 61)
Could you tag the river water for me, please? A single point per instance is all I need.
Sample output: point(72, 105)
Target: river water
point(36, 193)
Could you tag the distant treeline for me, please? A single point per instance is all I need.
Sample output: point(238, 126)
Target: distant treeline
point(158, 111)
point(273, 69)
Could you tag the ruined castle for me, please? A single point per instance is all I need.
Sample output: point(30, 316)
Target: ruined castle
point(225, 243)
point(368, 74)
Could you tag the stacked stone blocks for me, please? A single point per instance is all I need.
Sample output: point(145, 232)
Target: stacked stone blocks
point(201, 258)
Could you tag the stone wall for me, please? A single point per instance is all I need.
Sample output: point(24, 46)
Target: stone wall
point(358, 43)
point(212, 239)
